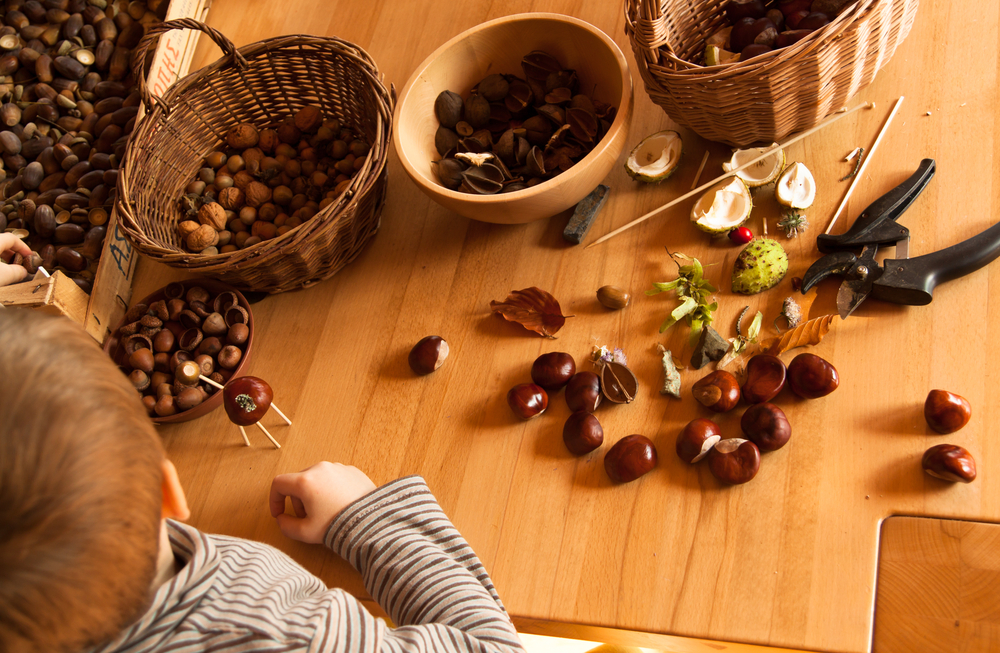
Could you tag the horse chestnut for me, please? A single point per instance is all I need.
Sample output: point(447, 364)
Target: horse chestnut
point(697, 439)
point(427, 355)
point(630, 458)
point(527, 400)
point(949, 462)
point(811, 377)
point(582, 433)
point(945, 412)
point(718, 391)
point(734, 461)
point(765, 379)
point(553, 371)
point(583, 392)
point(246, 399)
point(765, 425)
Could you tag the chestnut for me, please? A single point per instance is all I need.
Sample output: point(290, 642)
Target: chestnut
point(766, 426)
point(734, 461)
point(791, 6)
point(945, 412)
point(765, 32)
point(527, 400)
point(815, 20)
point(737, 9)
point(742, 34)
point(795, 18)
point(630, 458)
point(582, 433)
point(765, 379)
point(791, 37)
point(697, 439)
point(427, 355)
point(753, 50)
point(949, 462)
point(583, 392)
point(553, 371)
point(718, 391)
point(811, 377)
point(246, 399)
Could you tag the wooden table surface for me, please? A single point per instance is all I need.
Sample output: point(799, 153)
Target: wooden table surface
point(787, 560)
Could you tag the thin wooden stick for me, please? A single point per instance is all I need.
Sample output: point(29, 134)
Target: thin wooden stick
point(268, 434)
point(278, 410)
point(864, 164)
point(764, 220)
point(835, 117)
point(246, 440)
point(704, 160)
point(210, 381)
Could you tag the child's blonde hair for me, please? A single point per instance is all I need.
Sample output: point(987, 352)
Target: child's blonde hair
point(80, 489)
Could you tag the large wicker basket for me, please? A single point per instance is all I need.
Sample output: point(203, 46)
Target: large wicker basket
point(770, 96)
point(260, 83)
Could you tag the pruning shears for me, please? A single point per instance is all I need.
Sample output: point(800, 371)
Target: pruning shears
point(899, 280)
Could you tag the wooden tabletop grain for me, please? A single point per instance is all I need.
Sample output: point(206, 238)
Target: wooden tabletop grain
point(787, 560)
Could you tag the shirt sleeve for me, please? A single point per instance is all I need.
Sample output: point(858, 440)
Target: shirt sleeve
point(422, 572)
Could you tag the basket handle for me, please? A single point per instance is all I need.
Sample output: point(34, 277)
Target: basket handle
point(153, 35)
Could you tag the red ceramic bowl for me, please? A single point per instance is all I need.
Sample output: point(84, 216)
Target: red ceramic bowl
point(114, 347)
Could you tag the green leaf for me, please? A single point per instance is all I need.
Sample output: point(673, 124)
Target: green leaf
point(754, 329)
point(686, 307)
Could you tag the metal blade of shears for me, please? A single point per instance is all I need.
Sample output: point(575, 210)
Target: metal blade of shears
point(858, 284)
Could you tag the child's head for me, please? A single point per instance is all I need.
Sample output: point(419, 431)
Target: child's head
point(80, 489)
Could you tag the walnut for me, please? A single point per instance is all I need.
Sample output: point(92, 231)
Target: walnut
point(231, 199)
point(242, 136)
point(203, 237)
point(308, 118)
point(213, 215)
point(186, 227)
point(242, 179)
point(257, 194)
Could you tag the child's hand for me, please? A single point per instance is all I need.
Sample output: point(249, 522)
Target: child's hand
point(318, 495)
point(10, 245)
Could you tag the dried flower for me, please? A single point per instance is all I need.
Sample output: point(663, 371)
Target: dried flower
point(792, 313)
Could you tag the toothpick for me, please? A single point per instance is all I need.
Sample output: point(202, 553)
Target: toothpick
point(704, 160)
point(268, 434)
point(835, 117)
point(243, 431)
point(764, 219)
point(220, 387)
point(864, 164)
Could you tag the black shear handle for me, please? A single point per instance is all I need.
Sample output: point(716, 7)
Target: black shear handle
point(911, 281)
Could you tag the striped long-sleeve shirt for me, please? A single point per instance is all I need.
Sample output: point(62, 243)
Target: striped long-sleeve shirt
point(237, 595)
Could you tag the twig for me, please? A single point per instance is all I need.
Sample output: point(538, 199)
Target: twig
point(857, 165)
point(243, 431)
point(768, 152)
point(268, 434)
point(864, 164)
point(704, 160)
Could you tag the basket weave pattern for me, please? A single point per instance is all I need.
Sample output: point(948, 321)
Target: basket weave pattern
point(770, 96)
point(261, 83)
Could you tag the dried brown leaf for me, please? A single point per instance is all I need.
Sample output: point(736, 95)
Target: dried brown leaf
point(532, 308)
point(807, 333)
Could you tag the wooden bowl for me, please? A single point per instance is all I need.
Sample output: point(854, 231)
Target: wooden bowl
point(498, 46)
point(114, 348)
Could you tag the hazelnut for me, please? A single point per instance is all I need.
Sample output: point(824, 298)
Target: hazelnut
point(718, 391)
point(630, 458)
point(949, 462)
point(426, 356)
point(765, 425)
point(583, 392)
point(582, 433)
point(945, 412)
point(765, 379)
point(811, 377)
point(553, 371)
point(246, 400)
point(734, 461)
point(527, 400)
point(697, 439)
point(212, 214)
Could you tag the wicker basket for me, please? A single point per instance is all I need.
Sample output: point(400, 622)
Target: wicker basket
point(261, 83)
point(770, 96)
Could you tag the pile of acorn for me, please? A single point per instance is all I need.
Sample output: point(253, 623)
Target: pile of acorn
point(170, 344)
point(737, 460)
point(266, 182)
point(759, 26)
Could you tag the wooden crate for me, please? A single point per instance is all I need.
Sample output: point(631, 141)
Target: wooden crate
point(112, 288)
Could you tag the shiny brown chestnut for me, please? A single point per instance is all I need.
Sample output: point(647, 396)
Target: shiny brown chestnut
point(737, 9)
point(582, 433)
point(815, 20)
point(734, 461)
point(427, 355)
point(696, 439)
point(945, 412)
point(766, 426)
point(811, 377)
point(630, 458)
point(583, 392)
point(527, 400)
point(246, 399)
point(553, 370)
point(718, 391)
point(765, 379)
point(949, 462)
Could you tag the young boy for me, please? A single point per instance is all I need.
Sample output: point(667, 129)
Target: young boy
point(91, 559)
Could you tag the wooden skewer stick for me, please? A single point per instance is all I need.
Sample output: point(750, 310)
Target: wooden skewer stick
point(220, 387)
point(704, 160)
point(864, 164)
point(269, 436)
point(835, 117)
point(243, 431)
